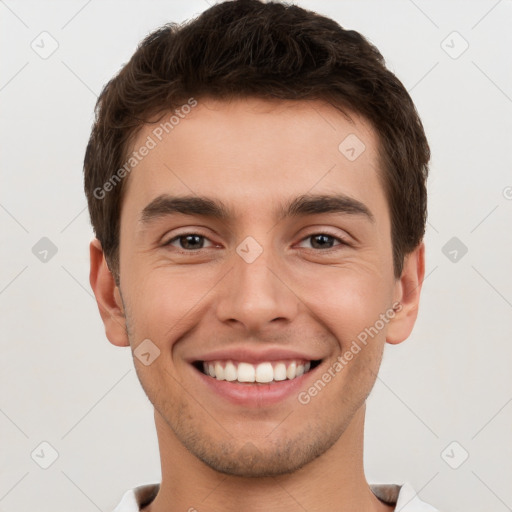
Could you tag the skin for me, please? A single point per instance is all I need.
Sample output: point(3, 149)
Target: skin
point(253, 155)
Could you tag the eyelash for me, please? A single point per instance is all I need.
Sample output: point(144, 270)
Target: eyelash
point(341, 240)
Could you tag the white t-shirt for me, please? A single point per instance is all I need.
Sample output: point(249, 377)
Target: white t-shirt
point(402, 496)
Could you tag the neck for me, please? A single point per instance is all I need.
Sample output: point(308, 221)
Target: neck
point(334, 481)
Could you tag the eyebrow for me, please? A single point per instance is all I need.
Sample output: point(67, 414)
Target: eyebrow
point(307, 204)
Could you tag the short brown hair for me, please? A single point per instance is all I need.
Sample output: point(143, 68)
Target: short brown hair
point(245, 48)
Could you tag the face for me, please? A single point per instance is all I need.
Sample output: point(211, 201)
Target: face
point(253, 244)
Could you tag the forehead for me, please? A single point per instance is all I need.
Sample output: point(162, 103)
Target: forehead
point(250, 151)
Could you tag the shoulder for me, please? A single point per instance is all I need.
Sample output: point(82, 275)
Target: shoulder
point(403, 496)
point(138, 497)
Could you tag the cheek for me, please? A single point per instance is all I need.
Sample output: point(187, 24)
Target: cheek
point(165, 303)
point(350, 308)
point(347, 301)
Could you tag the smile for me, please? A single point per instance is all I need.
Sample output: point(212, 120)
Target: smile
point(262, 373)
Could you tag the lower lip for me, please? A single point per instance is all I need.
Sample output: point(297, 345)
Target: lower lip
point(254, 394)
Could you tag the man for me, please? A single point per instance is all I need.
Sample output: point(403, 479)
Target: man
point(256, 183)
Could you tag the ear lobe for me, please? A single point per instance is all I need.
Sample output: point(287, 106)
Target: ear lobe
point(407, 296)
point(107, 296)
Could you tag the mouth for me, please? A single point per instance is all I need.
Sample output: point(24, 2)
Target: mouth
point(266, 372)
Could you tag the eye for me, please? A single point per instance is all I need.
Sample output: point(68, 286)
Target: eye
point(189, 241)
point(194, 241)
point(323, 241)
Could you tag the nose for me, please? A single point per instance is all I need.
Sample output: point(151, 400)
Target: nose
point(255, 294)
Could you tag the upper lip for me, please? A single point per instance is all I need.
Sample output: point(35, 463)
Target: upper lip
point(254, 356)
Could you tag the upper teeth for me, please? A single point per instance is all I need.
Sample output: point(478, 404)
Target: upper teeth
point(262, 372)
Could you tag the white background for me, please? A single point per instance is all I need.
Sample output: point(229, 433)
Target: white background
point(63, 383)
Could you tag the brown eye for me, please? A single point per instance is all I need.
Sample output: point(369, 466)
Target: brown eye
point(188, 241)
point(324, 241)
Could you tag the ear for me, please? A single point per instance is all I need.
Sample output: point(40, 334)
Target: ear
point(407, 296)
point(107, 296)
